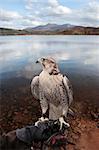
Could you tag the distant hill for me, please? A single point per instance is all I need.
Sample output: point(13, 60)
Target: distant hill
point(53, 29)
point(6, 31)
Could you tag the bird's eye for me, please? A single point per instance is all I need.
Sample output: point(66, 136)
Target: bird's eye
point(43, 59)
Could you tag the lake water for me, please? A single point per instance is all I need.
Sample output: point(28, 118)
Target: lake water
point(73, 53)
point(77, 57)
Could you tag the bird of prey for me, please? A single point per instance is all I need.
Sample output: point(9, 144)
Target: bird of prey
point(53, 90)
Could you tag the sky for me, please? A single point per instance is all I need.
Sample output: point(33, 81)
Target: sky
point(20, 14)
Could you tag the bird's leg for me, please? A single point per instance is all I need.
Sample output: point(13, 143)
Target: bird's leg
point(71, 112)
point(62, 122)
point(44, 107)
point(42, 119)
point(63, 118)
point(44, 116)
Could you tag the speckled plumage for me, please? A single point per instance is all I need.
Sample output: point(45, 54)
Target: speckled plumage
point(53, 90)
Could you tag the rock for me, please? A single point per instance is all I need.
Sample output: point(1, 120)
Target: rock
point(94, 115)
point(98, 125)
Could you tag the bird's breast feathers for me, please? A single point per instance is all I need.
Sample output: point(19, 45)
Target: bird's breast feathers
point(52, 88)
point(50, 81)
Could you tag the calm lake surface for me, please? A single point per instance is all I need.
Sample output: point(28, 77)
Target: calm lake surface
point(77, 57)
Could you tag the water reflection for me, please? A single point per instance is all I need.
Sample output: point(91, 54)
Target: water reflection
point(73, 53)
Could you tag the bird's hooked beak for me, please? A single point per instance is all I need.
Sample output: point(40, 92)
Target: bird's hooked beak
point(37, 62)
point(41, 60)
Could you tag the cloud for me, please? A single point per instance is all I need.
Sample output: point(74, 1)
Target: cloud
point(89, 15)
point(46, 11)
point(38, 12)
point(52, 11)
point(58, 9)
point(93, 11)
point(10, 19)
point(27, 22)
point(9, 15)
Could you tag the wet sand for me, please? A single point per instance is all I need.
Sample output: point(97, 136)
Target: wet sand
point(19, 108)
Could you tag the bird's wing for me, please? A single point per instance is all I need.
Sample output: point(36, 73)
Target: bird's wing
point(35, 87)
point(68, 88)
point(38, 94)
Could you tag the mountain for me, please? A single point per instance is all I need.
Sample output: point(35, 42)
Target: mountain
point(50, 27)
point(53, 29)
point(65, 29)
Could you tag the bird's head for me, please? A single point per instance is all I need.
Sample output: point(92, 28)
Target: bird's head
point(49, 64)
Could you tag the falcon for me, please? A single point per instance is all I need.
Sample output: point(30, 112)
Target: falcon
point(53, 90)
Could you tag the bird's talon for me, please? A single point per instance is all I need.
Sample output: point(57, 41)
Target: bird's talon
point(42, 119)
point(61, 120)
point(67, 124)
point(36, 123)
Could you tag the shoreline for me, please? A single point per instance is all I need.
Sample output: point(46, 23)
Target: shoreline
point(50, 34)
